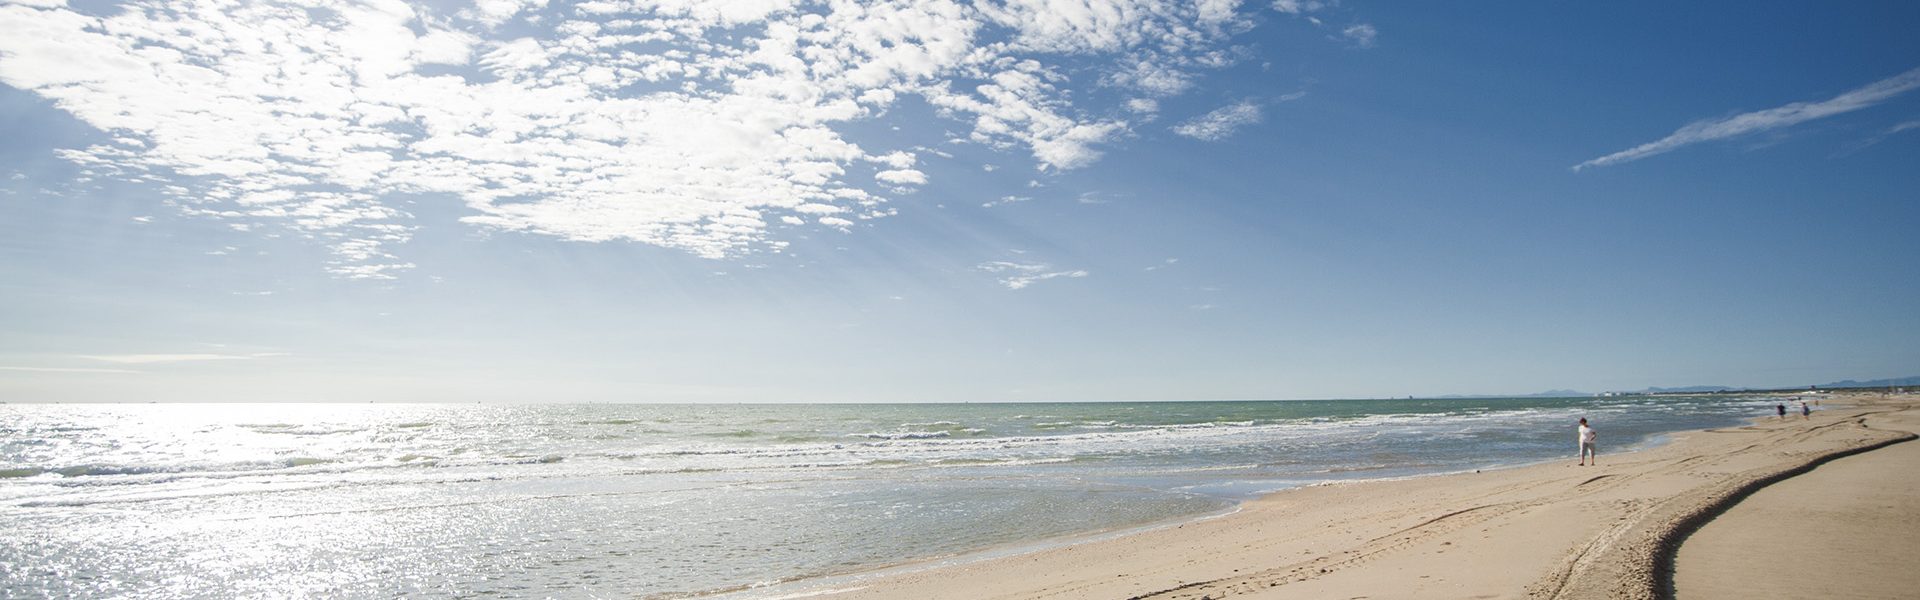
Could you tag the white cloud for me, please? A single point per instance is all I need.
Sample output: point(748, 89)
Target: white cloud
point(1763, 120)
point(1217, 11)
point(1016, 276)
point(1153, 77)
point(678, 123)
point(142, 359)
point(1104, 25)
point(1143, 105)
point(1361, 35)
point(1005, 200)
point(1220, 123)
point(495, 12)
point(1018, 107)
point(510, 58)
point(1297, 7)
point(445, 47)
point(902, 177)
point(898, 160)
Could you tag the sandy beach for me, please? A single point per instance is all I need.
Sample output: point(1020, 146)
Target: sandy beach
point(1782, 508)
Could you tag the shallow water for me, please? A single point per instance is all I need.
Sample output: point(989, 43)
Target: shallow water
point(179, 501)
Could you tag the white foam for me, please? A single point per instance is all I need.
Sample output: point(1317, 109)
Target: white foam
point(901, 435)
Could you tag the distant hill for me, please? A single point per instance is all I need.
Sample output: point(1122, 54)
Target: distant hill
point(1558, 394)
point(1696, 389)
point(1873, 383)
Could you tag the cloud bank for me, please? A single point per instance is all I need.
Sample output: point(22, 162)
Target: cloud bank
point(1762, 120)
point(699, 126)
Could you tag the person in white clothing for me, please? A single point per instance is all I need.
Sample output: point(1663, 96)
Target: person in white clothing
point(1586, 437)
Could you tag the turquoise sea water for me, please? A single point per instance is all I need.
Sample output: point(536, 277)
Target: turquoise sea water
point(364, 501)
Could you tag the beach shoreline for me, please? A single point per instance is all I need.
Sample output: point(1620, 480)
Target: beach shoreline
point(839, 582)
point(1546, 530)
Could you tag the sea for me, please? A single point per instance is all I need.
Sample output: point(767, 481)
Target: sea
point(670, 501)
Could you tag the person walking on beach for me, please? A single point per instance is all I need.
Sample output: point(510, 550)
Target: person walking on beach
point(1783, 410)
point(1805, 413)
point(1586, 437)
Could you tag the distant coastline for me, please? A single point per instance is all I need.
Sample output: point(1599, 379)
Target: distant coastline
point(1889, 385)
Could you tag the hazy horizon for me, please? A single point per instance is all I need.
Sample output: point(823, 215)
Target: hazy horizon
point(1645, 391)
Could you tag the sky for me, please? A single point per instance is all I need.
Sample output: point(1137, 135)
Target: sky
point(931, 201)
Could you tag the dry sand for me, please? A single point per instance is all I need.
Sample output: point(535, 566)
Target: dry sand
point(1847, 529)
point(1543, 531)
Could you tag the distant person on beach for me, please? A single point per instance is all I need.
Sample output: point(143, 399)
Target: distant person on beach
point(1783, 410)
point(1586, 437)
point(1805, 413)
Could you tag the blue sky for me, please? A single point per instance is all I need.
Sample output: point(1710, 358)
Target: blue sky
point(775, 200)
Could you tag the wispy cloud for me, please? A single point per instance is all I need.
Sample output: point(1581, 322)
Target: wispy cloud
point(1099, 197)
point(1763, 120)
point(143, 359)
point(1882, 136)
point(69, 370)
point(1222, 122)
point(1016, 276)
